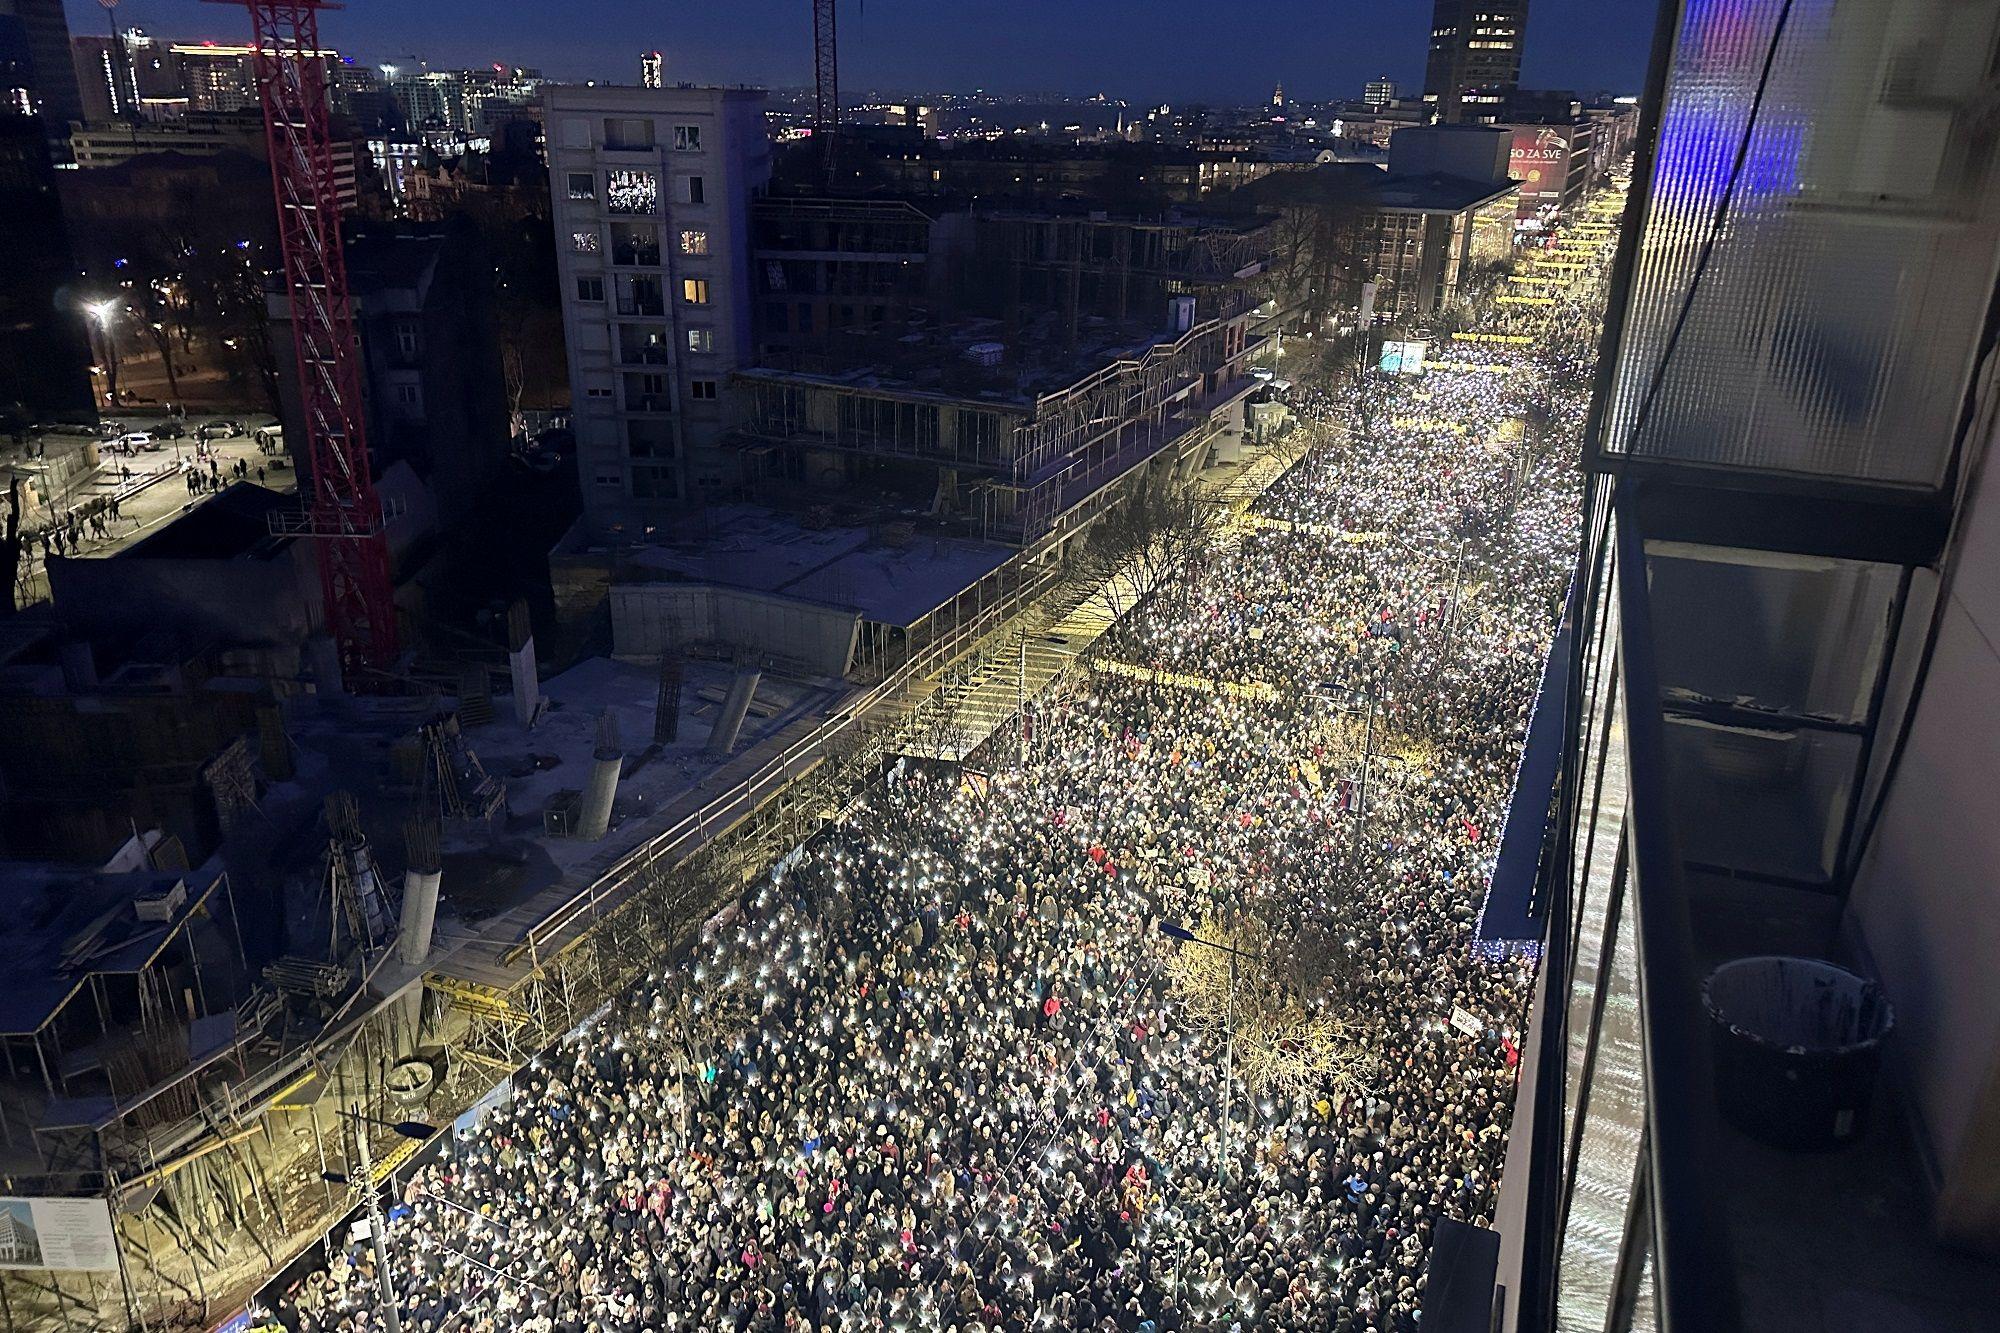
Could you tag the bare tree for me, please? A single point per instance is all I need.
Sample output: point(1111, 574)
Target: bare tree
point(1294, 1035)
point(1151, 536)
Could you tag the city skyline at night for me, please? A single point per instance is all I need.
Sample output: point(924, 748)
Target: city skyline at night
point(1319, 51)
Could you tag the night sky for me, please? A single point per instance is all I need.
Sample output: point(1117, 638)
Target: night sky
point(1143, 50)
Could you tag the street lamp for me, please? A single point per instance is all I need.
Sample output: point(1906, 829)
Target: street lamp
point(102, 314)
point(1176, 931)
point(378, 1228)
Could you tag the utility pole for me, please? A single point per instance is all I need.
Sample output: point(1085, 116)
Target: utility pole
point(1021, 701)
point(1361, 784)
point(1175, 931)
point(378, 1228)
point(1228, 1083)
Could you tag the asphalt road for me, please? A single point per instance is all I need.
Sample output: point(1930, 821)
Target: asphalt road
point(150, 487)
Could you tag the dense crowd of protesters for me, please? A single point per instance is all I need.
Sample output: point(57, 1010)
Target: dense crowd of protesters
point(935, 1074)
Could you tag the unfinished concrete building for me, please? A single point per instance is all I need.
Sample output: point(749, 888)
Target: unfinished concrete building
point(1000, 374)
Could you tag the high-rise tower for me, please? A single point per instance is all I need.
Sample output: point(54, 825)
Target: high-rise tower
point(1475, 58)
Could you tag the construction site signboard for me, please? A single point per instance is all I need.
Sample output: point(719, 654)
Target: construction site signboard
point(65, 1235)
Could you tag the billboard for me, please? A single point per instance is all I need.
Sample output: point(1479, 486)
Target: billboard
point(1402, 358)
point(66, 1235)
point(1539, 160)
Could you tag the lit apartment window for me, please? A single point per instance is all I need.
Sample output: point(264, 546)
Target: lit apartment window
point(590, 289)
point(630, 190)
point(694, 242)
point(694, 291)
point(702, 391)
point(701, 340)
point(584, 242)
point(582, 185)
point(692, 185)
point(687, 138)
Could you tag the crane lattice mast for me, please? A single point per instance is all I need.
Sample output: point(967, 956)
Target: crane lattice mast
point(344, 512)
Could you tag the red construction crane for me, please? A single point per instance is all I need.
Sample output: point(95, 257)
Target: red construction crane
point(345, 514)
point(826, 84)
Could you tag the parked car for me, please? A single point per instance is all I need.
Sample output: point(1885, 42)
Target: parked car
point(138, 440)
point(170, 429)
point(221, 430)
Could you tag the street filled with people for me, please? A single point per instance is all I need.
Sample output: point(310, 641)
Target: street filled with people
point(939, 1070)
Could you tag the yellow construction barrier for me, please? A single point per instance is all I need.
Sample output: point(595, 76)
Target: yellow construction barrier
point(1199, 684)
point(403, 1150)
point(1510, 339)
point(473, 998)
point(1524, 300)
point(1254, 520)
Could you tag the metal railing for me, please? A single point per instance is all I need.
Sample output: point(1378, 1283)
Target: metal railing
point(691, 831)
point(1671, 1218)
point(1693, 1273)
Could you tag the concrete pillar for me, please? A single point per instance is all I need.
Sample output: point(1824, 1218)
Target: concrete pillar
point(729, 721)
point(420, 900)
point(521, 663)
point(594, 819)
point(325, 657)
point(79, 666)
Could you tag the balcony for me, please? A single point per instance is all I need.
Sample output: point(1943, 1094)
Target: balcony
point(642, 305)
point(1777, 691)
point(629, 255)
point(1642, 1206)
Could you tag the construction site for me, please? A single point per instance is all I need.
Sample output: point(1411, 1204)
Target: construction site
point(297, 896)
point(444, 885)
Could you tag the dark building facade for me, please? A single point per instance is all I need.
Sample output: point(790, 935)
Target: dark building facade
point(432, 372)
point(1475, 59)
point(34, 46)
point(44, 347)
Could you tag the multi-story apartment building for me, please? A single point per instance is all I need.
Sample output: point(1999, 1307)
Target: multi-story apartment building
point(112, 143)
point(216, 78)
point(651, 190)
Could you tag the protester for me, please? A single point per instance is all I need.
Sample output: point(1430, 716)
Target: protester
point(934, 1075)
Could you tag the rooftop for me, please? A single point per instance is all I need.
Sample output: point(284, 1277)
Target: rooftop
point(891, 579)
point(934, 359)
point(67, 925)
point(234, 525)
point(581, 96)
